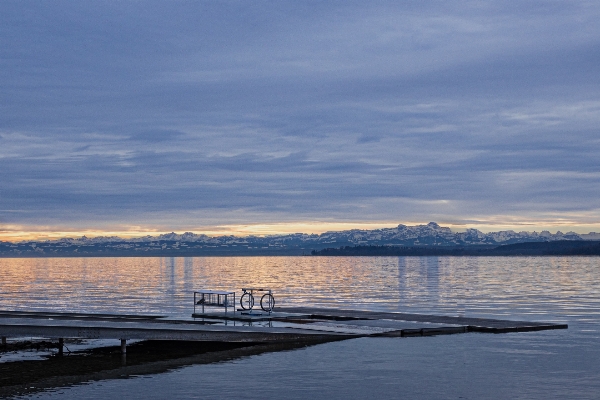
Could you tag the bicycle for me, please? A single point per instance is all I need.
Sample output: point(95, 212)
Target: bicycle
point(267, 301)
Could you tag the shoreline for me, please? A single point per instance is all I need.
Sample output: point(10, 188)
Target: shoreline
point(553, 248)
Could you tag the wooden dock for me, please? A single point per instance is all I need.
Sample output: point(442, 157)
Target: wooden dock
point(142, 327)
point(283, 325)
point(168, 343)
point(482, 325)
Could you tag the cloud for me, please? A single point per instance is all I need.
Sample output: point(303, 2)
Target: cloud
point(251, 113)
point(157, 135)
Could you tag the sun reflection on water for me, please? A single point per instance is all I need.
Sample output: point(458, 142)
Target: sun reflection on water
point(518, 287)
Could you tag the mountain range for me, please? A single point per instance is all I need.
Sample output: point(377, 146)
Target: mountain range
point(188, 243)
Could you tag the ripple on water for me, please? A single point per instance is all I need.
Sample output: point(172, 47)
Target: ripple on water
point(529, 288)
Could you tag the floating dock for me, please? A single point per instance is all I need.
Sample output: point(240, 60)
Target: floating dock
point(282, 325)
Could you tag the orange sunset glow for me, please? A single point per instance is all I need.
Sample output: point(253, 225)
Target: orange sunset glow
point(14, 233)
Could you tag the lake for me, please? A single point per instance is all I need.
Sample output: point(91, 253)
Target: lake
point(549, 364)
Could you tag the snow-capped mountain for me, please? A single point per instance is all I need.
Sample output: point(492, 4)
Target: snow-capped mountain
point(431, 234)
point(434, 235)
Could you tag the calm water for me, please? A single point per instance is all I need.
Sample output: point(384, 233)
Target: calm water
point(552, 364)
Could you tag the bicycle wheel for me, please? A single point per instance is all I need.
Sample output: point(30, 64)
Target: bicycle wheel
point(247, 301)
point(267, 302)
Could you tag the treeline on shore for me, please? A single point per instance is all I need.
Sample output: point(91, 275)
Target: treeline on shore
point(177, 249)
point(556, 248)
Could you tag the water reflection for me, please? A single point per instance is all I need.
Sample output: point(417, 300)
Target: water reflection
point(143, 358)
point(538, 365)
point(188, 274)
point(520, 287)
point(171, 287)
point(419, 280)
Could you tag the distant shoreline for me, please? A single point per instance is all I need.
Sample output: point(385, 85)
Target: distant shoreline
point(557, 248)
point(554, 248)
point(421, 240)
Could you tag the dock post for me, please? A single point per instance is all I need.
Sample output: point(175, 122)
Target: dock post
point(123, 346)
point(3, 341)
point(61, 344)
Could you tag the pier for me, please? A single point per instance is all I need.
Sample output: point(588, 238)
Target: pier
point(159, 343)
point(283, 325)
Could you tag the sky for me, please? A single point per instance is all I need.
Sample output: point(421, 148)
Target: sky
point(128, 117)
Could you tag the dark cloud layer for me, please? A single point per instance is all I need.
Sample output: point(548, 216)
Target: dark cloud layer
point(196, 113)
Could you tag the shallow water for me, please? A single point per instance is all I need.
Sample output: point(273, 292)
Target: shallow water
point(549, 364)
